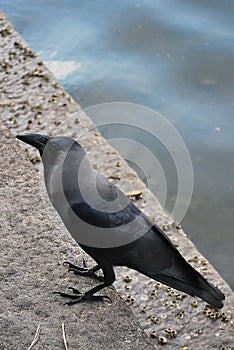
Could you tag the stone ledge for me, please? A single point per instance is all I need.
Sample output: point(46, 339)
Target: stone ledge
point(33, 100)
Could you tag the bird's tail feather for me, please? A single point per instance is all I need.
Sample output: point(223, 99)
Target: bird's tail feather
point(195, 286)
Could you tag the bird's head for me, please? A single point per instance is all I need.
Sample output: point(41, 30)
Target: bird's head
point(53, 150)
point(36, 140)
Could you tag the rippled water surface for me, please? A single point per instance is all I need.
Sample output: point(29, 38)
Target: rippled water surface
point(176, 57)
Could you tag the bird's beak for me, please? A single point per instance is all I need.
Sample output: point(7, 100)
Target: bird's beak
point(36, 140)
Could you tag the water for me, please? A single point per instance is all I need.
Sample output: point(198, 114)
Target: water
point(174, 57)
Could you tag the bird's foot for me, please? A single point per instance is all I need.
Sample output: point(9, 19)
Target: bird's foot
point(79, 297)
point(76, 268)
point(84, 270)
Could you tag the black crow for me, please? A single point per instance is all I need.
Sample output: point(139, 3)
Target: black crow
point(109, 227)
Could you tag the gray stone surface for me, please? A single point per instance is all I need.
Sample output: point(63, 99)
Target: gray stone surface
point(35, 242)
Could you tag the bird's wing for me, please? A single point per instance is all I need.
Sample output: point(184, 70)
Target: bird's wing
point(155, 256)
point(109, 207)
point(97, 201)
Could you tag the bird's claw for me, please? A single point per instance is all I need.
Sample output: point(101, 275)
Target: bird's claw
point(75, 268)
point(83, 270)
point(88, 297)
point(65, 295)
point(75, 291)
point(79, 297)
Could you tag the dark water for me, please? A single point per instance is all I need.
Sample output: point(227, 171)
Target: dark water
point(176, 57)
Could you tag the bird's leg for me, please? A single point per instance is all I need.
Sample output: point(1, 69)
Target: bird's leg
point(78, 297)
point(84, 270)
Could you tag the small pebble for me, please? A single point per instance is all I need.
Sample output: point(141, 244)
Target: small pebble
point(153, 334)
point(127, 279)
point(162, 340)
point(194, 303)
point(154, 319)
